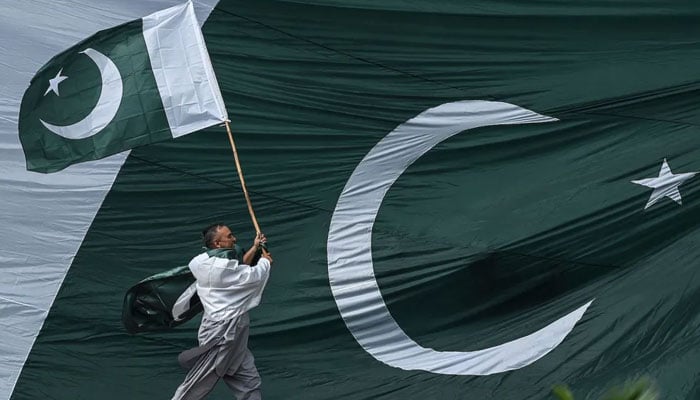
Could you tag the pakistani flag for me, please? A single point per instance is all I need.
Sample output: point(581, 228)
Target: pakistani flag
point(138, 83)
point(464, 200)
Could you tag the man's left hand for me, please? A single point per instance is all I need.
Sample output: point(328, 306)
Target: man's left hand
point(260, 240)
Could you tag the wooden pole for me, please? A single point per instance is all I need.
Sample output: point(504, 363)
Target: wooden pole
point(240, 175)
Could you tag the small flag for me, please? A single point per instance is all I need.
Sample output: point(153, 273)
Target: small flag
point(141, 82)
point(161, 301)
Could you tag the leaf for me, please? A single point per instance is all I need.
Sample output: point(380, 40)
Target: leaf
point(562, 392)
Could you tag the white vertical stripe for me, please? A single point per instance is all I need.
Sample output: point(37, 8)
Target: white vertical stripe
point(183, 71)
point(45, 217)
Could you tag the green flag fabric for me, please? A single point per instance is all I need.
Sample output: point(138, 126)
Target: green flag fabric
point(169, 298)
point(464, 200)
point(141, 82)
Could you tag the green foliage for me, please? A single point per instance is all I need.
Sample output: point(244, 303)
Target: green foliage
point(637, 389)
point(562, 392)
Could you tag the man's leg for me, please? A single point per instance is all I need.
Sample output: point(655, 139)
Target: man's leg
point(200, 380)
point(244, 378)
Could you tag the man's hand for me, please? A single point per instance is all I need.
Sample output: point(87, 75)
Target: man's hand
point(260, 240)
point(258, 244)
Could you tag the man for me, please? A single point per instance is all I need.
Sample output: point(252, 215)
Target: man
point(227, 290)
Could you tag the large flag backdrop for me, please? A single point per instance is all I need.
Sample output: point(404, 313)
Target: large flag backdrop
point(477, 160)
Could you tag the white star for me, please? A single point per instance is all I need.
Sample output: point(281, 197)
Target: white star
point(665, 185)
point(53, 83)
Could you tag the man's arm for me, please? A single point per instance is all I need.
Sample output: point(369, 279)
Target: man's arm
point(256, 274)
point(249, 256)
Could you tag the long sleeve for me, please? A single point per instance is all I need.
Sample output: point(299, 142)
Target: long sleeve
point(228, 288)
point(256, 273)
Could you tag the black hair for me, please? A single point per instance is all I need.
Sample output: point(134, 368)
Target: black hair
point(209, 233)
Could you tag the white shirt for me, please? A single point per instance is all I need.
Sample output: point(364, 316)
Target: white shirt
point(226, 288)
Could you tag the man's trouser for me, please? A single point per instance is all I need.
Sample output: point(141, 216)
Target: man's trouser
point(231, 361)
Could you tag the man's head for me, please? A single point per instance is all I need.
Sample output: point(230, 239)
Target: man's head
point(218, 236)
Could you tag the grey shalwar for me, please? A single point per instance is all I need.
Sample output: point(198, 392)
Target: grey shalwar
point(227, 290)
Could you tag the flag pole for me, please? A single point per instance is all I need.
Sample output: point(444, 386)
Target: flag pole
point(240, 175)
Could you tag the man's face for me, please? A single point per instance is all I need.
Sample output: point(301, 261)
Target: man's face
point(224, 238)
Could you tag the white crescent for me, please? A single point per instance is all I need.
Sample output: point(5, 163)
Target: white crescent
point(350, 268)
point(106, 107)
